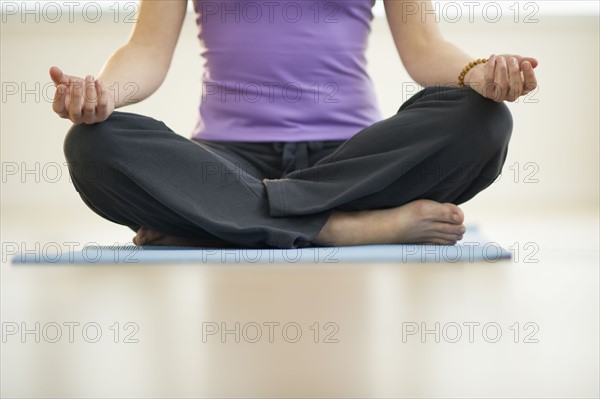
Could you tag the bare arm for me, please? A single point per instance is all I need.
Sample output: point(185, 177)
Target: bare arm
point(145, 59)
point(132, 73)
point(427, 57)
point(431, 60)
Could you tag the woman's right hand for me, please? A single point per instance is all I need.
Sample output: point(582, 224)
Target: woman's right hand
point(81, 100)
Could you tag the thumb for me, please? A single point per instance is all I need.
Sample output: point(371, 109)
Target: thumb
point(534, 63)
point(58, 76)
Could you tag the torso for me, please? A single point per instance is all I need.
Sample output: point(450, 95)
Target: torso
point(284, 70)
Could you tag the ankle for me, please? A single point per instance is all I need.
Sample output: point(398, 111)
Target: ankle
point(340, 229)
point(328, 232)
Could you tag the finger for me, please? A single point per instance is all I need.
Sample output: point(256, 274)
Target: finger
point(74, 82)
point(515, 83)
point(58, 76)
point(76, 102)
point(102, 104)
point(490, 66)
point(89, 100)
point(489, 72)
point(533, 61)
point(501, 79)
point(530, 81)
point(67, 98)
point(58, 105)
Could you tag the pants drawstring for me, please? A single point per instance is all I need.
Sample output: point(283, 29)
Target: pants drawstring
point(295, 155)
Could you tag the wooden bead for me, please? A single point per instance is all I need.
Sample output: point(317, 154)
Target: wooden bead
point(463, 73)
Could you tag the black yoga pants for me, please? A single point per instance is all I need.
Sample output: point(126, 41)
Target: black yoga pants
point(445, 144)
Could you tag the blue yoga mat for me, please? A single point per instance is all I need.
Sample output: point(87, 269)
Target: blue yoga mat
point(474, 247)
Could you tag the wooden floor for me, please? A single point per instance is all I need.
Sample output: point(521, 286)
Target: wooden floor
point(521, 328)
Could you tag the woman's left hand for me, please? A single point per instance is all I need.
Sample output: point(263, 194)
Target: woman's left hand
point(503, 77)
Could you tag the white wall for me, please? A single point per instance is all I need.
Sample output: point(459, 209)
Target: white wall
point(557, 136)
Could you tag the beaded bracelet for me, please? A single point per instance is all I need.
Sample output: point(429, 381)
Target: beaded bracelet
point(461, 77)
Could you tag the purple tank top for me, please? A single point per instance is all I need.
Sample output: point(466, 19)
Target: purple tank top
point(284, 70)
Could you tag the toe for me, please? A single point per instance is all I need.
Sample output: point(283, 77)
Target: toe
point(140, 238)
point(453, 238)
point(454, 214)
point(448, 228)
point(153, 237)
point(431, 211)
point(447, 212)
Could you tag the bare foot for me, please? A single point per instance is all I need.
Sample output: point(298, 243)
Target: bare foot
point(146, 236)
point(418, 222)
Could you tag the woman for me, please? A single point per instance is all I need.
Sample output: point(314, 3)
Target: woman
point(289, 150)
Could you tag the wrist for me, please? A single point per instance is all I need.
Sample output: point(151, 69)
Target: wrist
point(472, 75)
point(468, 71)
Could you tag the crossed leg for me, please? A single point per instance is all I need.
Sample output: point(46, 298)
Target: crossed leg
point(397, 181)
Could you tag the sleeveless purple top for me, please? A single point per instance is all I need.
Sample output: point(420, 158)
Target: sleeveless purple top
point(284, 70)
